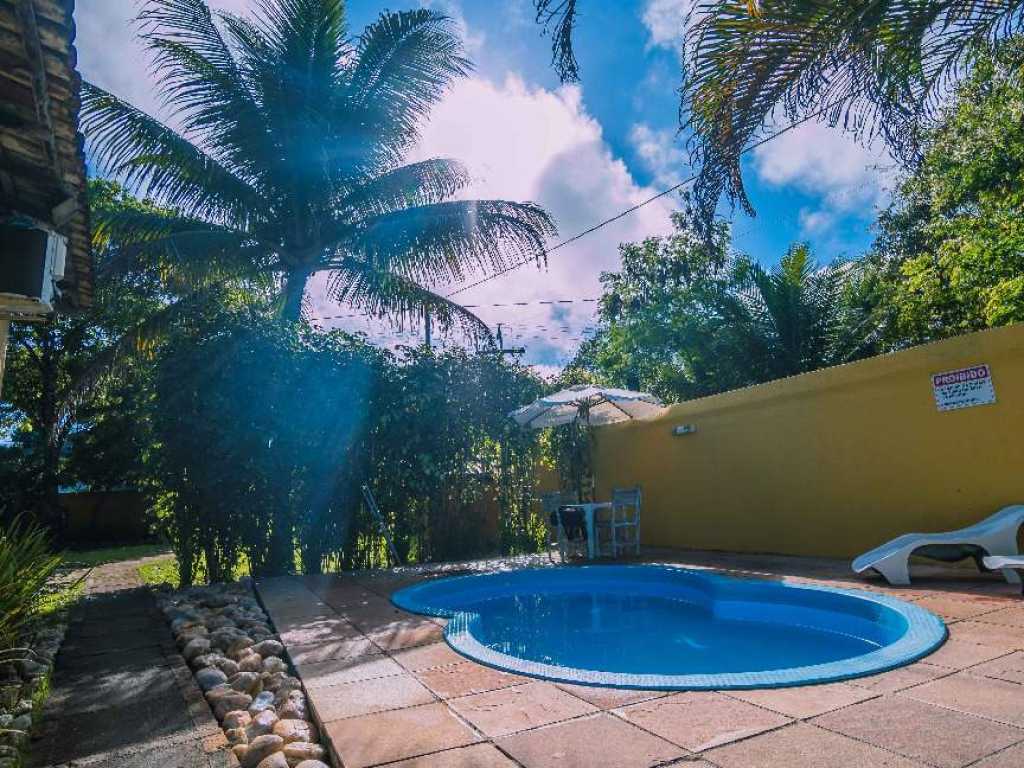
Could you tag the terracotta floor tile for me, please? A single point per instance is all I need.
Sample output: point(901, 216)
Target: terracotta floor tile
point(427, 656)
point(499, 713)
point(1009, 668)
point(375, 615)
point(900, 678)
point(805, 700)
point(368, 696)
point(396, 735)
point(699, 721)
point(318, 631)
point(609, 698)
point(1008, 758)
point(921, 731)
point(407, 633)
point(466, 678)
point(976, 695)
point(339, 671)
point(600, 741)
point(954, 608)
point(960, 654)
point(804, 746)
point(991, 635)
point(476, 756)
point(1012, 617)
point(334, 649)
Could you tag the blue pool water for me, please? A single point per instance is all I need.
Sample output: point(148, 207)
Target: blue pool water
point(658, 627)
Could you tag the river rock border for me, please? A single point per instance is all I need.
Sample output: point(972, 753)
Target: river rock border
point(237, 661)
point(23, 676)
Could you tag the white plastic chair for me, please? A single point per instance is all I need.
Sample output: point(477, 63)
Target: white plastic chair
point(622, 526)
point(995, 535)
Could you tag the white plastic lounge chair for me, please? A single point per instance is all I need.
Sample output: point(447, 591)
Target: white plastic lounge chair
point(1008, 564)
point(995, 535)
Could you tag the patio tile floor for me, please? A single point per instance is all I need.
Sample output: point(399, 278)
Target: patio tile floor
point(806, 701)
point(982, 696)
point(385, 737)
point(427, 656)
point(1009, 668)
point(1011, 617)
point(465, 678)
point(901, 677)
point(499, 713)
point(609, 698)
point(921, 731)
point(388, 690)
point(368, 696)
point(597, 741)
point(699, 721)
point(805, 746)
point(476, 756)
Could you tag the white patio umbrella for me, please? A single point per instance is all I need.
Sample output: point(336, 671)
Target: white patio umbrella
point(597, 406)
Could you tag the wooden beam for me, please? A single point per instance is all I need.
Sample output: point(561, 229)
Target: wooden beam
point(37, 60)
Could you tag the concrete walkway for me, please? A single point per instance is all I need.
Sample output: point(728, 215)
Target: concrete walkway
point(121, 694)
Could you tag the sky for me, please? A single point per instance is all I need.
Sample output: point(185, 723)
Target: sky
point(585, 152)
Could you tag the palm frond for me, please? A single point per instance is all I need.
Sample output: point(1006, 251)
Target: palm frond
point(184, 253)
point(200, 79)
point(403, 65)
point(385, 294)
point(873, 68)
point(423, 183)
point(445, 241)
point(155, 161)
point(558, 18)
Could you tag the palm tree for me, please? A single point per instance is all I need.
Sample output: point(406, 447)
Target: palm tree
point(874, 67)
point(287, 160)
point(798, 316)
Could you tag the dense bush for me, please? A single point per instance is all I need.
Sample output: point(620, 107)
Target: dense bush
point(26, 565)
point(266, 432)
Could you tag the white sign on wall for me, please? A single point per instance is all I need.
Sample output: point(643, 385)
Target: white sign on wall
point(963, 388)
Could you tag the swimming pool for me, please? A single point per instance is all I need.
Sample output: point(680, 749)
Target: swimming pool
point(657, 627)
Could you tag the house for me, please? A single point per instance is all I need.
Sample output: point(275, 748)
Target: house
point(45, 258)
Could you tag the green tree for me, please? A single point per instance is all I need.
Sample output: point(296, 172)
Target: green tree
point(688, 317)
point(950, 251)
point(871, 66)
point(54, 397)
point(288, 158)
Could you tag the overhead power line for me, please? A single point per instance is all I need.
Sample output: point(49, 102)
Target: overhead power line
point(611, 220)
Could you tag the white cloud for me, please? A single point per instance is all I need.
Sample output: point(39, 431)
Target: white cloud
point(473, 40)
point(664, 20)
point(661, 152)
point(815, 222)
point(822, 161)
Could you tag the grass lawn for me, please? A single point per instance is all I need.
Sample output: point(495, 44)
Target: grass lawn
point(159, 571)
point(89, 558)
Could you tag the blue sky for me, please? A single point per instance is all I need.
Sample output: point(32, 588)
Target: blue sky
point(585, 152)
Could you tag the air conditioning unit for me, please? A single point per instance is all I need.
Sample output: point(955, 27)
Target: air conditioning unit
point(32, 260)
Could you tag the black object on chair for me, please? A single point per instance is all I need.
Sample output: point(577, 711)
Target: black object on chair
point(573, 523)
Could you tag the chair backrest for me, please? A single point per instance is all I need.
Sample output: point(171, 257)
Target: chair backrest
point(626, 503)
point(550, 501)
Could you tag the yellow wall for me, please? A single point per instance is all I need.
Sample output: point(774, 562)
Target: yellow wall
point(831, 462)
